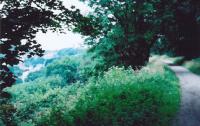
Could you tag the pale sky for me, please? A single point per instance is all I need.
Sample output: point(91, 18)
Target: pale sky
point(56, 41)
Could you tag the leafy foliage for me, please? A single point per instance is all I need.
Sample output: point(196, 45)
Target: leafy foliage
point(119, 33)
point(125, 31)
point(121, 97)
point(78, 67)
point(21, 20)
point(70, 69)
point(17, 72)
point(66, 68)
point(33, 98)
point(180, 26)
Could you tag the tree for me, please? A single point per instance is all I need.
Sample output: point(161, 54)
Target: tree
point(122, 31)
point(20, 21)
point(180, 26)
point(66, 68)
point(187, 41)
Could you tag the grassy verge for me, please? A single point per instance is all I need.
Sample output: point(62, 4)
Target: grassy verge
point(193, 65)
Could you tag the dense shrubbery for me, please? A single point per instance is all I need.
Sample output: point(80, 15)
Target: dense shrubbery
point(118, 98)
point(33, 98)
point(123, 99)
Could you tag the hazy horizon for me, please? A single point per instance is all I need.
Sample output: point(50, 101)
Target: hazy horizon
point(56, 41)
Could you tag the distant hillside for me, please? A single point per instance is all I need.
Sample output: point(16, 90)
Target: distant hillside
point(36, 63)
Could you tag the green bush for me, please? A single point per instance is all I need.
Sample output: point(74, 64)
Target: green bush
point(193, 65)
point(33, 98)
point(121, 98)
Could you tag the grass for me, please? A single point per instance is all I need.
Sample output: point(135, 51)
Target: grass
point(193, 65)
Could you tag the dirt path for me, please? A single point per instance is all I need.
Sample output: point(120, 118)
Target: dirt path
point(189, 114)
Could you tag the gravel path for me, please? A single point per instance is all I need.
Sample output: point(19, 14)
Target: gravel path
point(189, 114)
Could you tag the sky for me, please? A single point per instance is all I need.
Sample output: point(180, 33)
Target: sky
point(56, 41)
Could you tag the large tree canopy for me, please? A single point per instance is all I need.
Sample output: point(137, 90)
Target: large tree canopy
point(180, 27)
point(123, 31)
point(184, 34)
point(20, 21)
